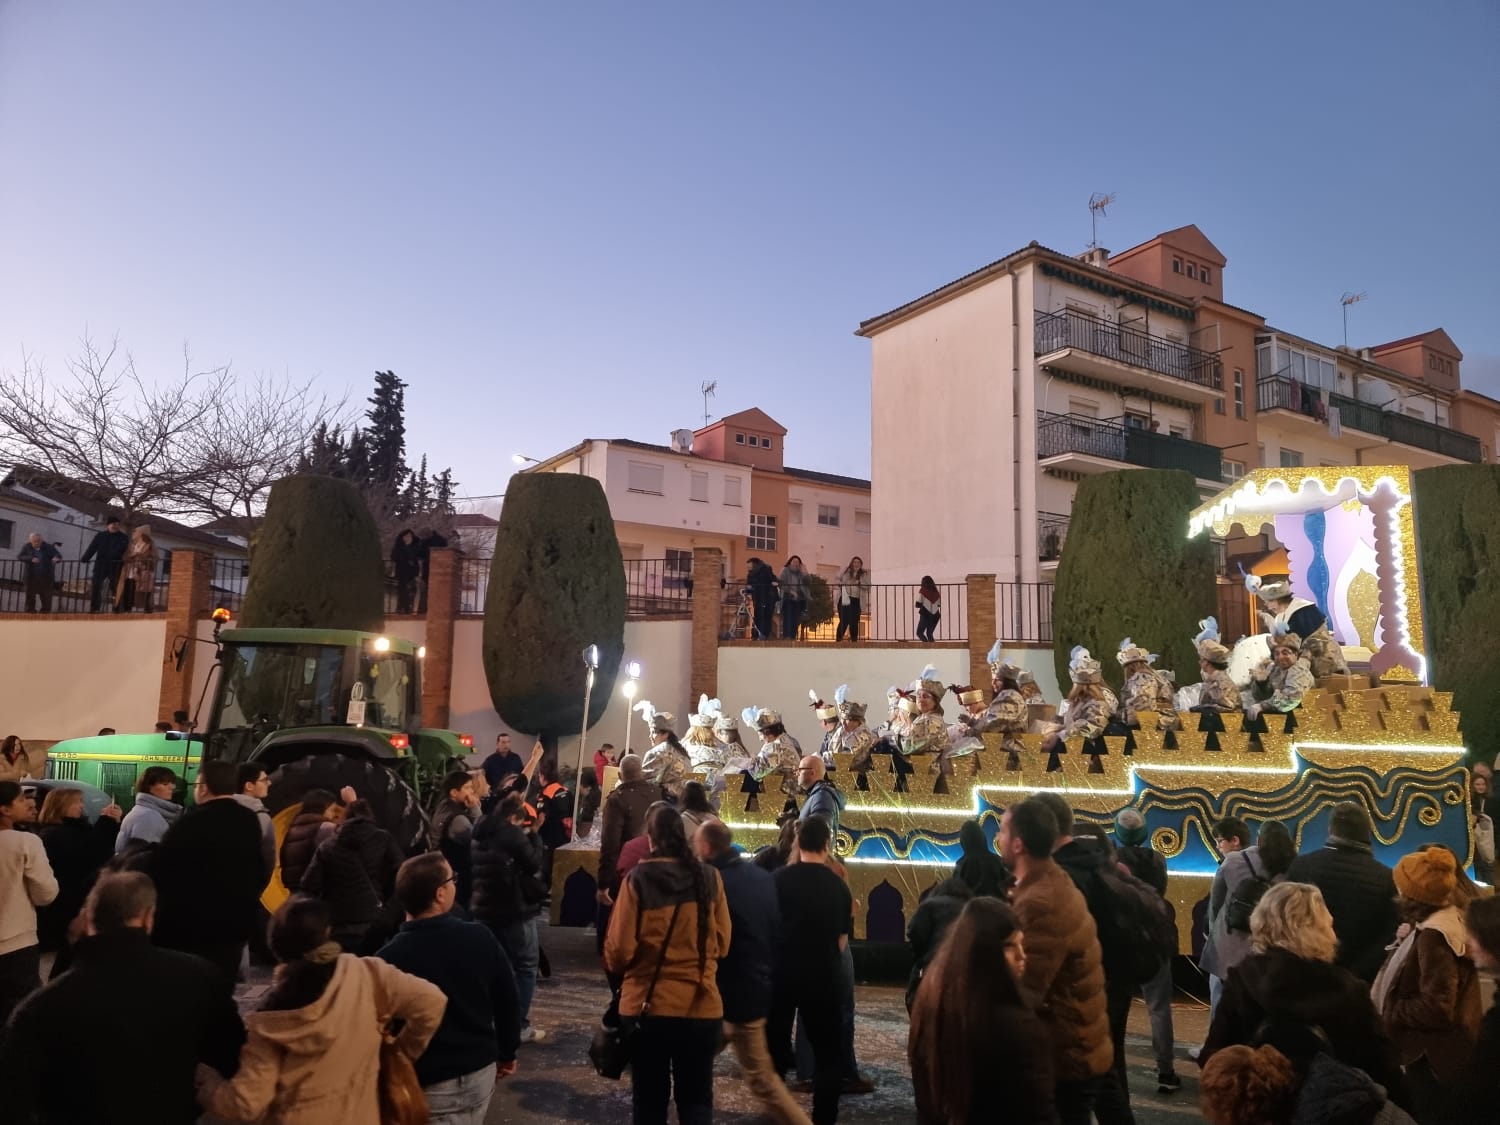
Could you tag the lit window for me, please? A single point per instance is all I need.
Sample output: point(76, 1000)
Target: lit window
point(645, 477)
point(762, 535)
point(828, 515)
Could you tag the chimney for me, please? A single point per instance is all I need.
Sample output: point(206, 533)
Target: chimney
point(1096, 256)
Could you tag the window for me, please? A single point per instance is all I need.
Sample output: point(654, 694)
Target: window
point(739, 439)
point(1137, 421)
point(1260, 456)
point(645, 477)
point(1176, 265)
point(1178, 431)
point(678, 569)
point(1239, 393)
point(794, 512)
point(861, 521)
point(699, 486)
point(752, 440)
point(1192, 271)
point(1084, 407)
point(7, 534)
point(732, 491)
point(1231, 470)
point(765, 443)
point(1218, 406)
point(762, 535)
point(828, 515)
point(1203, 276)
point(1290, 458)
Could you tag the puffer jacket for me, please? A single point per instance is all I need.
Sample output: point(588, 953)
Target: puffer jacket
point(1361, 895)
point(147, 821)
point(76, 850)
point(1334, 1093)
point(507, 870)
point(624, 818)
point(355, 872)
point(303, 835)
point(1064, 977)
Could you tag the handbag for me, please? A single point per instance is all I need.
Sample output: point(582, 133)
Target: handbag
point(402, 1101)
point(614, 1043)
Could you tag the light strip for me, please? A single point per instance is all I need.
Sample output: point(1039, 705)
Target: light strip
point(1399, 748)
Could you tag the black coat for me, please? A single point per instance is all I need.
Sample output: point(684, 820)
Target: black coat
point(507, 873)
point(115, 1039)
point(209, 874)
point(107, 550)
point(1146, 864)
point(76, 850)
point(355, 872)
point(755, 920)
point(425, 546)
point(1361, 895)
point(406, 559)
point(926, 930)
point(297, 847)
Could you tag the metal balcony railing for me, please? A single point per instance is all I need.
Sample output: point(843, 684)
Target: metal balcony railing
point(1058, 434)
point(1051, 533)
point(1430, 436)
point(1071, 329)
point(71, 589)
point(1278, 392)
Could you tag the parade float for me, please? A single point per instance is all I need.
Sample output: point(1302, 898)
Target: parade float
point(1380, 736)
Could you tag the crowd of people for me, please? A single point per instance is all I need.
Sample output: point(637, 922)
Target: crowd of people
point(122, 578)
point(771, 598)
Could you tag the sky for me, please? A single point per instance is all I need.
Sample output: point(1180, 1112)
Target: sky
point(555, 220)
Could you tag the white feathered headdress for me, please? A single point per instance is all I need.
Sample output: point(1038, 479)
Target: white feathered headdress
point(847, 707)
point(1083, 668)
point(659, 722)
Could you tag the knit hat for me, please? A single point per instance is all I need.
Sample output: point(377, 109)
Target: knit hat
point(1083, 668)
point(827, 713)
point(1130, 827)
point(1428, 877)
point(847, 707)
point(1133, 653)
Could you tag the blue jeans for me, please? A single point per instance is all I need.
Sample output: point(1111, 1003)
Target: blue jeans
point(519, 941)
point(463, 1100)
point(1158, 992)
point(848, 1064)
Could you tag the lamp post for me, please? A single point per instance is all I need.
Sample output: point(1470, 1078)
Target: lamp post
point(631, 686)
point(591, 662)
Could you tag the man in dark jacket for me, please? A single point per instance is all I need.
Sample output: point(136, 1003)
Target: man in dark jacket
point(355, 874)
point(476, 1042)
point(107, 549)
point(209, 873)
point(68, 1057)
point(624, 818)
point(452, 829)
point(823, 797)
point(508, 895)
point(929, 925)
point(1359, 890)
point(38, 559)
point(1150, 867)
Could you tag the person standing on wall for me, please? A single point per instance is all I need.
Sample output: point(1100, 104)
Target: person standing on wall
point(108, 552)
point(794, 596)
point(40, 559)
point(854, 591)
point(138, 570)
point(929, 608)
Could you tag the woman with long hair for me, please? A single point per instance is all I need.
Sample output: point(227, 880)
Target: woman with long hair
point(312, 1055)
point(138, 570)
point(853, 585)
point(77, 850)
point(978, 1053)
point(794, 597)
point(15, 762)
point(1480, 784)
point(929, 608)
point(696, 810)
point(667, 932)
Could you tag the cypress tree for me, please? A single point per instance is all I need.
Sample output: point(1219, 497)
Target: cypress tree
point(317, 560)
point(557, 585)
point(1128, 569)
point(1457, 510)
point(386, 435)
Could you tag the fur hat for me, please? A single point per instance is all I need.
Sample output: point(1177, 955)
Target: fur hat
point(928, 681)
point(1083, 668)
point(708, 711)
point(1130, 827)
point(1133, 654)
point(658, 722)
point(826, 713)
point(846, 706)
point(966, 695)
point(1002, 667)
point(1428, 877)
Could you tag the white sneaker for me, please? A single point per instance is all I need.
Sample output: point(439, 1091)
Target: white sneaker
point(533, 1035)
point(1193, 1052)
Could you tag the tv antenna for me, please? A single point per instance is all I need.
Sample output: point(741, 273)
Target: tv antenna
point(707, 390)
point(1346, 300)
point(1097, 204)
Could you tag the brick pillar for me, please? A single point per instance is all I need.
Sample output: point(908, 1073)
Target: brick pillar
point(188, 594)
point(443, 584)
point(708, 600)
point(982, 626)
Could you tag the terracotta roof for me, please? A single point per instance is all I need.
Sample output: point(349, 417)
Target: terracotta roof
point(827, 478)
point(755, 417)
point(1433, 337)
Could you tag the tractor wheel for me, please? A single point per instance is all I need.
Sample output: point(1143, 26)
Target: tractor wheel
point(395, 804)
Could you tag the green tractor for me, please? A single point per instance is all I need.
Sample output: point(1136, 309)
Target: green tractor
point(318, 708)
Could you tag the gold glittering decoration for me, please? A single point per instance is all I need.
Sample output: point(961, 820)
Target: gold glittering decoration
point(1166, 841)
point(1364, 607)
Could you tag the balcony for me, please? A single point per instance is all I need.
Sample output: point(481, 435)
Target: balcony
point(1127, 357)
point(1051, 534)
point(1078, 444)
point(1303, 406)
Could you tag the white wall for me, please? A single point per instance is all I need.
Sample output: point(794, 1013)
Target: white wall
point(675, 508)
point(66, 679)
point(819, 545)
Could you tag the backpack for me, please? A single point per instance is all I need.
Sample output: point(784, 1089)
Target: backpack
point(1245, 898)
point(1141, 927)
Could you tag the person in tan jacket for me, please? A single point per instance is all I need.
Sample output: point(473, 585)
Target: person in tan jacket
point(313, 1050)
point(1064, 974)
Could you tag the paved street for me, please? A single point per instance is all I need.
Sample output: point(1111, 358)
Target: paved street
point(556, 1083)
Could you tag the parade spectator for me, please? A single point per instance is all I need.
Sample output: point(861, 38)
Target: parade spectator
point(624, 818)
point(1289, 978)
point(823, 797)
point(153, 812)
point(975, 1045)
point(668, 932)
point(355, 874)
point(746, 972)
point(1230, 834)
point(428, 541)
point(138, 572)
point(1150, 867)
point(1245, 873)
point(929, 925)
point(1261, 1086)
point(500, 764)
point(255, 786)
point(760, 583)
point(15, 762)
point(1474, 1090)
point(312, 1056)
point(26, 883)
point(107, 550)
point(209, 873)
point(1484, 825)
point(76, 851)
point(314, 822)
point(604, 757)
point(406, 568)
point(452, 829)
point(695, 809)
point(589, 796)
point(1427, 992)
point(773, 857)
point(853, 592)
point(982, 871)
point(816, 915)
point(1357, 888)
point(508, 895)
point(795, 593)
point(929, 606)
point(68, 1058)
point(1063, 977)
point(39, 559)
point(476, 1042)
point(554, 807)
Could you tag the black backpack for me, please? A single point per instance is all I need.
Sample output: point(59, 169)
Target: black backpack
point(1245, 898)
point(1141, 926)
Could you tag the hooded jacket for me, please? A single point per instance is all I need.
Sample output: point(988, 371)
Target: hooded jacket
point(355, 872)
point(979, 867)
point(624, 818)
point(321, 1063)
point(147, 821)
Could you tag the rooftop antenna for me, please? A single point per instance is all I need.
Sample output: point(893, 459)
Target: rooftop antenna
point(1346, 300)
point(708, 390)
point(1097, 204)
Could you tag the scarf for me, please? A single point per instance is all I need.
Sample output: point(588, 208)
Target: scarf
point(1448, 921)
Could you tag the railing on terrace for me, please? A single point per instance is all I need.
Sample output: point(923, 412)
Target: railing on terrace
point(1429, 435)
point(1071, 329)
point(72, 588)
point(889, 614)
point(1051, 534)
point(1023, 612)
point(1279, 392)
point(1057, 434)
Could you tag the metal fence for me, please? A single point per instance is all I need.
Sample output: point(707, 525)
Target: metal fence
point(1051, 534)
point(888, 614)
point(1161, 354)
point(72, 589)
point(1023, 612)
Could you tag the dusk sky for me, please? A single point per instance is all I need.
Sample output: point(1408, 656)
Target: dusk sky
point(556, 219)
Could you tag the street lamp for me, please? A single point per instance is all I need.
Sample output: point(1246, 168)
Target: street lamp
point(522, 459)
point(591, 662)
point(633, 675)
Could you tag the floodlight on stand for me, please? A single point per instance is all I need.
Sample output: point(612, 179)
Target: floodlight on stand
point(633, 669)
point(591, 662)
point(591, 656)
point(522, 459)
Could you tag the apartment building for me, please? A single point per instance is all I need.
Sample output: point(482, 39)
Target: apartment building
point(1041, 368)
point(727, 486)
